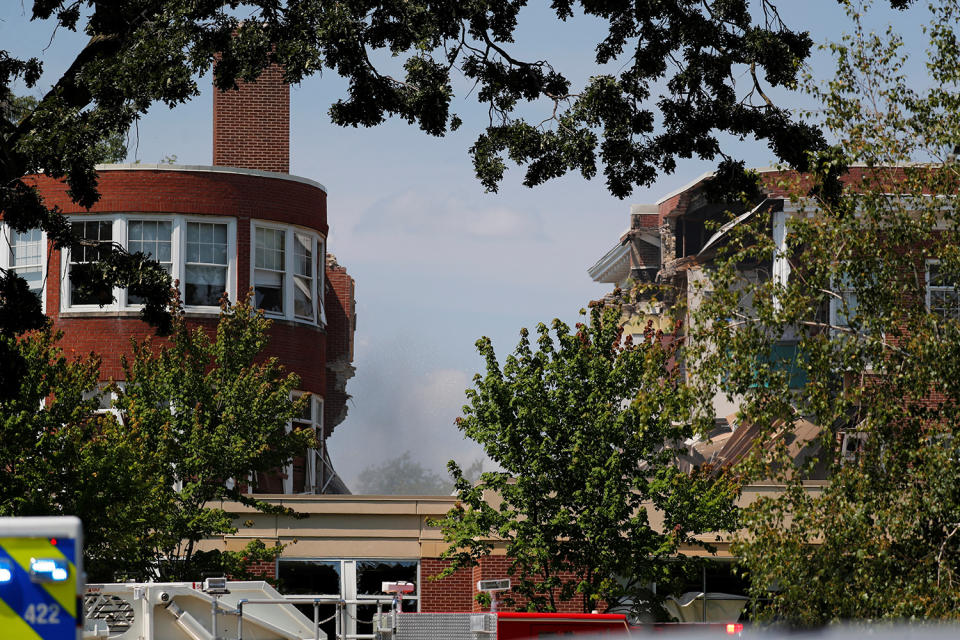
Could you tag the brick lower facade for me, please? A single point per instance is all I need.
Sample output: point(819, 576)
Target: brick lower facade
point(458, 592)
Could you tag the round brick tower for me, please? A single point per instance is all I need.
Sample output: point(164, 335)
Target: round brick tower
point(244, 224)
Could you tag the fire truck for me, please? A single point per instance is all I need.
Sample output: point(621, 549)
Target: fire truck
point(41, 578)
point(43, 596)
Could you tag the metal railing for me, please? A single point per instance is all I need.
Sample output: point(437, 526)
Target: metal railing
point(339, 615)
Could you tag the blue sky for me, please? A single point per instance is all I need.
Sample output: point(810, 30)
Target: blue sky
point(438, 262)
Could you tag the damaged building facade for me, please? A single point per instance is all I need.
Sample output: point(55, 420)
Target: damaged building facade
point(671, 244)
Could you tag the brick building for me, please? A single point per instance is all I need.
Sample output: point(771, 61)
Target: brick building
point(672, 243)
point(345, 546)
point(242, 224)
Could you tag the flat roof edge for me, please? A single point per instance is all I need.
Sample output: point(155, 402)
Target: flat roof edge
point(199, 168)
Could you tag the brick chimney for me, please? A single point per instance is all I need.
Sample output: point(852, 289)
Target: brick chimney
point(251, 124)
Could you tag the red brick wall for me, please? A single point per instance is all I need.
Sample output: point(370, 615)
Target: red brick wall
point(458, 592)
point(301, 348)
point(214, 193)
point(646, 220)
point(251, 124)
point(453, 593)
point(340, 308)
point(267, 569)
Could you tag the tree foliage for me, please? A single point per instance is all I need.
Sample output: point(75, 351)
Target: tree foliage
point(879, 351)
point(586, 427)
point(143, 52)
point(194, 418)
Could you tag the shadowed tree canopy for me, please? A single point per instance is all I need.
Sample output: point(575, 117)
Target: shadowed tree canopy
point(673, 92)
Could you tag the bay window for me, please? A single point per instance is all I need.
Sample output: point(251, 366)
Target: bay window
point(303, 276)
point(301, 476)
point(287, 271)
point(270, 269)
point(286, 262)
point(199, 253)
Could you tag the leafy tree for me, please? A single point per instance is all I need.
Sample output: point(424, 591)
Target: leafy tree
point(110, 149)
point(196, 416)
point(586, 427)
point(57, 455)
point(881, 539)
point(147, 51)
point(209, 416)
point(405, 476)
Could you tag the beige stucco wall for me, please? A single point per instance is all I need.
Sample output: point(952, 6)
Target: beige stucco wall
point(344, 526)
point(385, 526)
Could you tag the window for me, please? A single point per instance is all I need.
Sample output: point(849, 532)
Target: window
point(154, 239)
point(371, 574)
point(852, 446)
point(94, 240)
point(303, 276)
point(351, 580)
point(943, 298)
point(843, 309)
point(201, 254)
point(24, 253)
point(104, 396)
point(302, 475)
point(315, 578)
point(205, 273)
point(286, 271)
point(270, 269)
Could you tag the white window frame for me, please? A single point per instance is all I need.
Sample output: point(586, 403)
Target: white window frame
point(928, 288)
point(318, 264)
point(349, 589)
point(181, 246)
point(176, 269)
point(839, 301)
point(6, 258)
point(66, 293)
point(850, 456)
point(178, 253)
point(105, 393)
point(310, 462)
point(312, 239)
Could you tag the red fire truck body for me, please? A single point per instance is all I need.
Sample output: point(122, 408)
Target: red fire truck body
point(515, 626)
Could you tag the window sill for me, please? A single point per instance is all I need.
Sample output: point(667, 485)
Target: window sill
point(210, 312)
point(278, 317)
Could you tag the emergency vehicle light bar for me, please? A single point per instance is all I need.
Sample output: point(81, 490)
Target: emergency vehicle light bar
point(6, 574)
point(48, 570)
